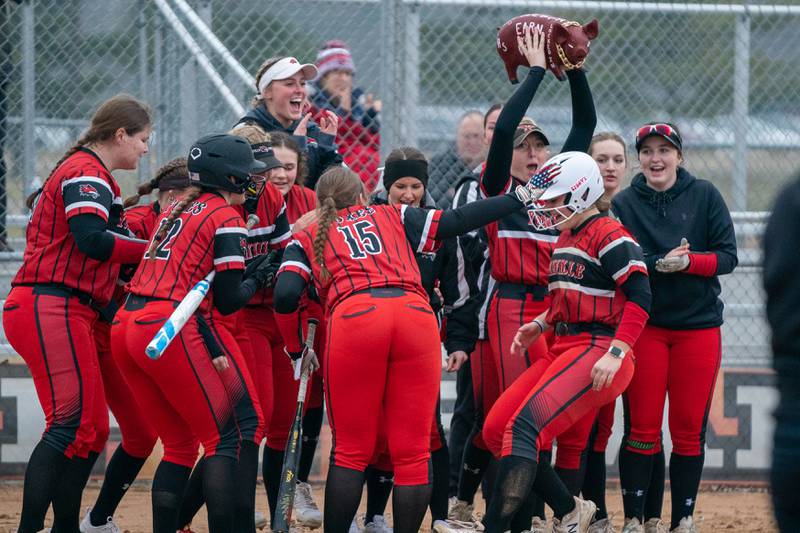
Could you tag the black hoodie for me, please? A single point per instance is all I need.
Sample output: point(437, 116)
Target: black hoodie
point(694, 209)
point(320, 147)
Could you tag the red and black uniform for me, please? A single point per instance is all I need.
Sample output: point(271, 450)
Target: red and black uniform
point(589, 297)
point(520, 254)
point(375, 286)
point(599, 292)
point(69, 271)
point(680, 348)
point(185, 396)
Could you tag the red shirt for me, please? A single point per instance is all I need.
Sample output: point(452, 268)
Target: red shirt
point(368, 247)
point(588, 267)
point(142, 219)
point(518, 252)
point(208, 235)
point(299, 201)
point(80, 185)
point(271, 233)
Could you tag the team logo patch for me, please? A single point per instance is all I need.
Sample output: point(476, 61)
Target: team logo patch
point(88, 190)
point(195, 153)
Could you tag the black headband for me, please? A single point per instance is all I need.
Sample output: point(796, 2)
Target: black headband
point(405, 168)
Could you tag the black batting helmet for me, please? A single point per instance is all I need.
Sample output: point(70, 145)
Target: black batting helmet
point(214, 159)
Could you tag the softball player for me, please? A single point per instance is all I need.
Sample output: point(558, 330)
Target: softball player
point(299, 200)
point(440, 268)
point(138, 435)
point(69, 271)
point(280, 105)
point(600, 298)
point(364, 260)
point(688, 239)
point(249, 415)
point(185, 391)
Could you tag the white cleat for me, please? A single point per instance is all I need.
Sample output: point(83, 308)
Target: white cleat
point(578, 520)
point(461, 511)
point(686, 525)
point(538, 525)
point(87, 527)
point(603, 525)
point(632, 525)
point(306, 512)
point(456, 526)
point(378, 525)
point(354, 526)
point(655, 525)
point(260, 520)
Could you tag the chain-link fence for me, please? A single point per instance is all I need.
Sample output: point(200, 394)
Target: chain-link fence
point(726, 74)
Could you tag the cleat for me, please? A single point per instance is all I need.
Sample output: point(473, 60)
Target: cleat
point(632, 525)
point(456, 526)
point(306, 512)
point(461, 511)
point(87, 527)
point(655, 525)
point(686, 525)
point(378, 525)
point(603, 525)
point(538, 525)
point(578, 520)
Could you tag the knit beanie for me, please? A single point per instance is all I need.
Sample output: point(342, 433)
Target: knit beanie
point(334, 55)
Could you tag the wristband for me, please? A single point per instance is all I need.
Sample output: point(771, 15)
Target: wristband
point(540, 324)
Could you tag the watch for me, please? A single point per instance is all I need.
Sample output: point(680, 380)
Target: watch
point(617, 352)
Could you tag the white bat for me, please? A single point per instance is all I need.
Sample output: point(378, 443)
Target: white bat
point(181, 315)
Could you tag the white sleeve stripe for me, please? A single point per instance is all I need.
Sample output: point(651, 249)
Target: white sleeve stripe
point(296, 264)
point(624, 270)
point(423, 240)
point(117, 200)
point(569, 286)
point(82, 179)
point(576, 251)
point(514, 234)
point(613, 244)
point(285, 237)
point(229, 259)
point(255, 232)
point(93, 205)
point(225, 231)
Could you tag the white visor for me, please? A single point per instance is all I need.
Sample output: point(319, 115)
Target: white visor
point(286, 68)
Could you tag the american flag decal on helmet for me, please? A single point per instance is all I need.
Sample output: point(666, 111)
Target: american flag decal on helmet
point(544, 178)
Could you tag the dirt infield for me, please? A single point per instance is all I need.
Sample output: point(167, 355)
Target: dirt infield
point(736, 510)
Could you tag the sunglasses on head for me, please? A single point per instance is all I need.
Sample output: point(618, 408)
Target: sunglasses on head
point(660, 129)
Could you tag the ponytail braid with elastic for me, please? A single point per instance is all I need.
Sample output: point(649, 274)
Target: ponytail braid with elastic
point(190, 196)
point(172, 169)
point(327, 214)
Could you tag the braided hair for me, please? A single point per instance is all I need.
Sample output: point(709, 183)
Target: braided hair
point(337, 188)
point(120, 111)
point(173, 171)
point(191, 195)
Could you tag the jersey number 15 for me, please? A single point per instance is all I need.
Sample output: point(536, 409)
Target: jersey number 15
point(361, 239)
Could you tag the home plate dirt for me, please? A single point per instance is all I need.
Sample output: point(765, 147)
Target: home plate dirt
point(719, 509)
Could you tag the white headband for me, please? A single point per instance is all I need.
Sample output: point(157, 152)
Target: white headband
point(286, 68)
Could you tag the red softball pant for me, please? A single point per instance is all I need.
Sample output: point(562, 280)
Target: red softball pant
point(232, 338)
point(277, 387)
point(183, 394)
point(683, 364)
point(573, 441)
point(386, 374)
point(603, 425)
point(506, 316)
point(138, 435)
point(551, 396)
point(54, 334)
point(382, 459)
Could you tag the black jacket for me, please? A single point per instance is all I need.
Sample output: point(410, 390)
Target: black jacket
point(782, 284)
point(691, 208)
point(320, 147)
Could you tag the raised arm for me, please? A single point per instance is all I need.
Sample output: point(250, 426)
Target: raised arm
point(584, 117)
point(498, 163)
